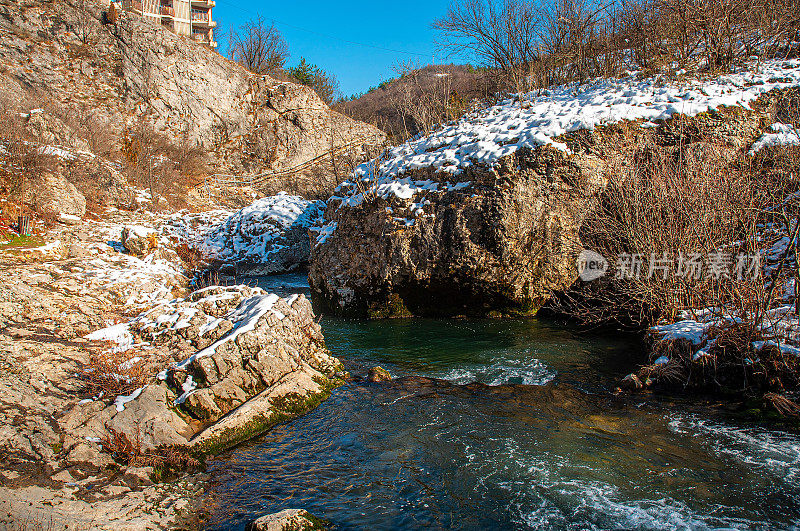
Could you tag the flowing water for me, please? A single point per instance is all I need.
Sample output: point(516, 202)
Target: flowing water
point(501, 425)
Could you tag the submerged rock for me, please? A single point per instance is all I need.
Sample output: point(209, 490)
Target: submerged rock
point(497, 239)
point(288, 519)
point(379, 374)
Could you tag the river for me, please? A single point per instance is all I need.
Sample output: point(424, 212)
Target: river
point(505, 424)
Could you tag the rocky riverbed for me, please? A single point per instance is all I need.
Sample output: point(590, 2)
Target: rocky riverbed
point(79, 305)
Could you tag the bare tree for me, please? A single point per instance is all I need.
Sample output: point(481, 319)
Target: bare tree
point(83, 25)
point(258, 47)
point(424, 98)
point(505, 34)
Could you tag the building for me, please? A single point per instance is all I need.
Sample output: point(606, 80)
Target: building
point(191, 18)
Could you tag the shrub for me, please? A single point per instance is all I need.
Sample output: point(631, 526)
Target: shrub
point(114, 373)
point(154, 162)
point(130, 452)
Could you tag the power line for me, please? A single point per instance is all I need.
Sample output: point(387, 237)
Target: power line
point(325, 35)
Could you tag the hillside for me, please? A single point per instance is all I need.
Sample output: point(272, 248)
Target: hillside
point(94, 79)
point(420, 98)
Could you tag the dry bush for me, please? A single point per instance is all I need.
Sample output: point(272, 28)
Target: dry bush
point(166, 169)
point(505, 35)
point(783, 405)
point(191, 257)
point(114, 373)
point(682, 205)
point(130, 452)
point(732, 366)
point(531, 44)
point(420, 98)
point(20, 159)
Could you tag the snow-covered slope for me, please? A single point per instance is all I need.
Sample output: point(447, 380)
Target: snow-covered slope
point(269, 236)
point(538, 118)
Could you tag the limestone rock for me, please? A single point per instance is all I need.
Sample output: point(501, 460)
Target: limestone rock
point(250, 124)
point(50, 194)
point(139, 241)
point(497, 239)
point(379, 374)
point(231, 344)
point(288, 519)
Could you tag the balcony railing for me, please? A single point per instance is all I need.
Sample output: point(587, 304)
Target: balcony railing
point(167, 11)
point(200, 17)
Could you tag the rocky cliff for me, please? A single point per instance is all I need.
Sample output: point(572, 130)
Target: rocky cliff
point(87, 74)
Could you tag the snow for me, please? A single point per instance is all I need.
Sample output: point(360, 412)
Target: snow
point(689, 329)
point(782, 135)
point(139, 231)
point(118, 334)
point(188, 387)
point(68, 218)
point(253, 234)
point(57, 151)
point(120, 401)
point(324, 232)
point(52, 246)
point(538, 118)
point(245, 317)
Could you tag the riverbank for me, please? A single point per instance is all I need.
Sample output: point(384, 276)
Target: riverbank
point(53, 296)
point(94, 436)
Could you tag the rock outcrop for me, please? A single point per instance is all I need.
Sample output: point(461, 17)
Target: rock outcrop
point(269, 236)
point(498, 239)
point(486, 215)
point(287, 520)
point(239, 359)
point(230, 347)
point(50, 194)
point(89, 77)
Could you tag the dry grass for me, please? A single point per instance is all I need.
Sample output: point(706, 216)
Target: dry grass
point(115, 373)
point(686, 201)
point(783, 405)
point(191, 257)
point(165, 168)
point(130, 452)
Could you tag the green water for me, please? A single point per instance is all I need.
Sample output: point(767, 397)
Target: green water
point(507, 425)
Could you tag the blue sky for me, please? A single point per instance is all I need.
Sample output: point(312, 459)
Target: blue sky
point(317, 30)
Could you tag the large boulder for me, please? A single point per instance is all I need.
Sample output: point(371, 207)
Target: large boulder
point(492, 239)
point(243, 361)
point(50, 194)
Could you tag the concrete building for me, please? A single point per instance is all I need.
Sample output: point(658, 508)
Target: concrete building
point(191, 18)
